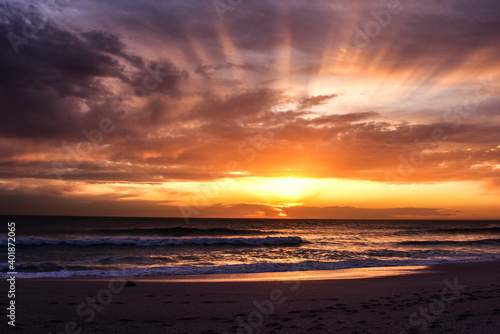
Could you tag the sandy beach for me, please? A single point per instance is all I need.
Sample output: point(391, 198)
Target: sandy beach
point(446, 298)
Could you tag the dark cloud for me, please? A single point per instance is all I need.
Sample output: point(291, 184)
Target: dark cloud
point(345, 118)
point(212, 70)
point(56, 84)
point(307, 102)
point(105, 42)
point(159, 78)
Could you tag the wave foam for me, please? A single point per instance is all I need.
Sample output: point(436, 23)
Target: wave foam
point(145, 242)
point(236, 268)
point(449, 242)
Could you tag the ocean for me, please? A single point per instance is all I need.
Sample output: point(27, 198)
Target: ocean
point(114, 246)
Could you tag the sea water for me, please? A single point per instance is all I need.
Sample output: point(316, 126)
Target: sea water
point(104, 246)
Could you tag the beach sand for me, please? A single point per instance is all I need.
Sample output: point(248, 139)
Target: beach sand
point(446, 298)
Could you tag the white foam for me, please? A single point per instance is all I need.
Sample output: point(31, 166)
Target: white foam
point(233, 269)
point(144, 242)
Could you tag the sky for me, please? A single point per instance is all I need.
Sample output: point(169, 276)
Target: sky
point(262, 109)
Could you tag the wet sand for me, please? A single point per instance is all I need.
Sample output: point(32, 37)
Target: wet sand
point(446, 298)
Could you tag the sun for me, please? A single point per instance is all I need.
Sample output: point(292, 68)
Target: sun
point(288, 187)
point(282, 189)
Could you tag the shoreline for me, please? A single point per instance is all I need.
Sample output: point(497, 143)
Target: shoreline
point(327, 274)
point(306, 275)
point(457, 297)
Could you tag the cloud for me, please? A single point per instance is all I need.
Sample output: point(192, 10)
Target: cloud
point(307, 102)
point(211, 70)
point(105, 42)
point(335, 212)
point(58, 82)
point(56, 201)
point(204, 137)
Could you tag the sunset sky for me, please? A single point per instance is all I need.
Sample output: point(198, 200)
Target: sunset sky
point(238, 108)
